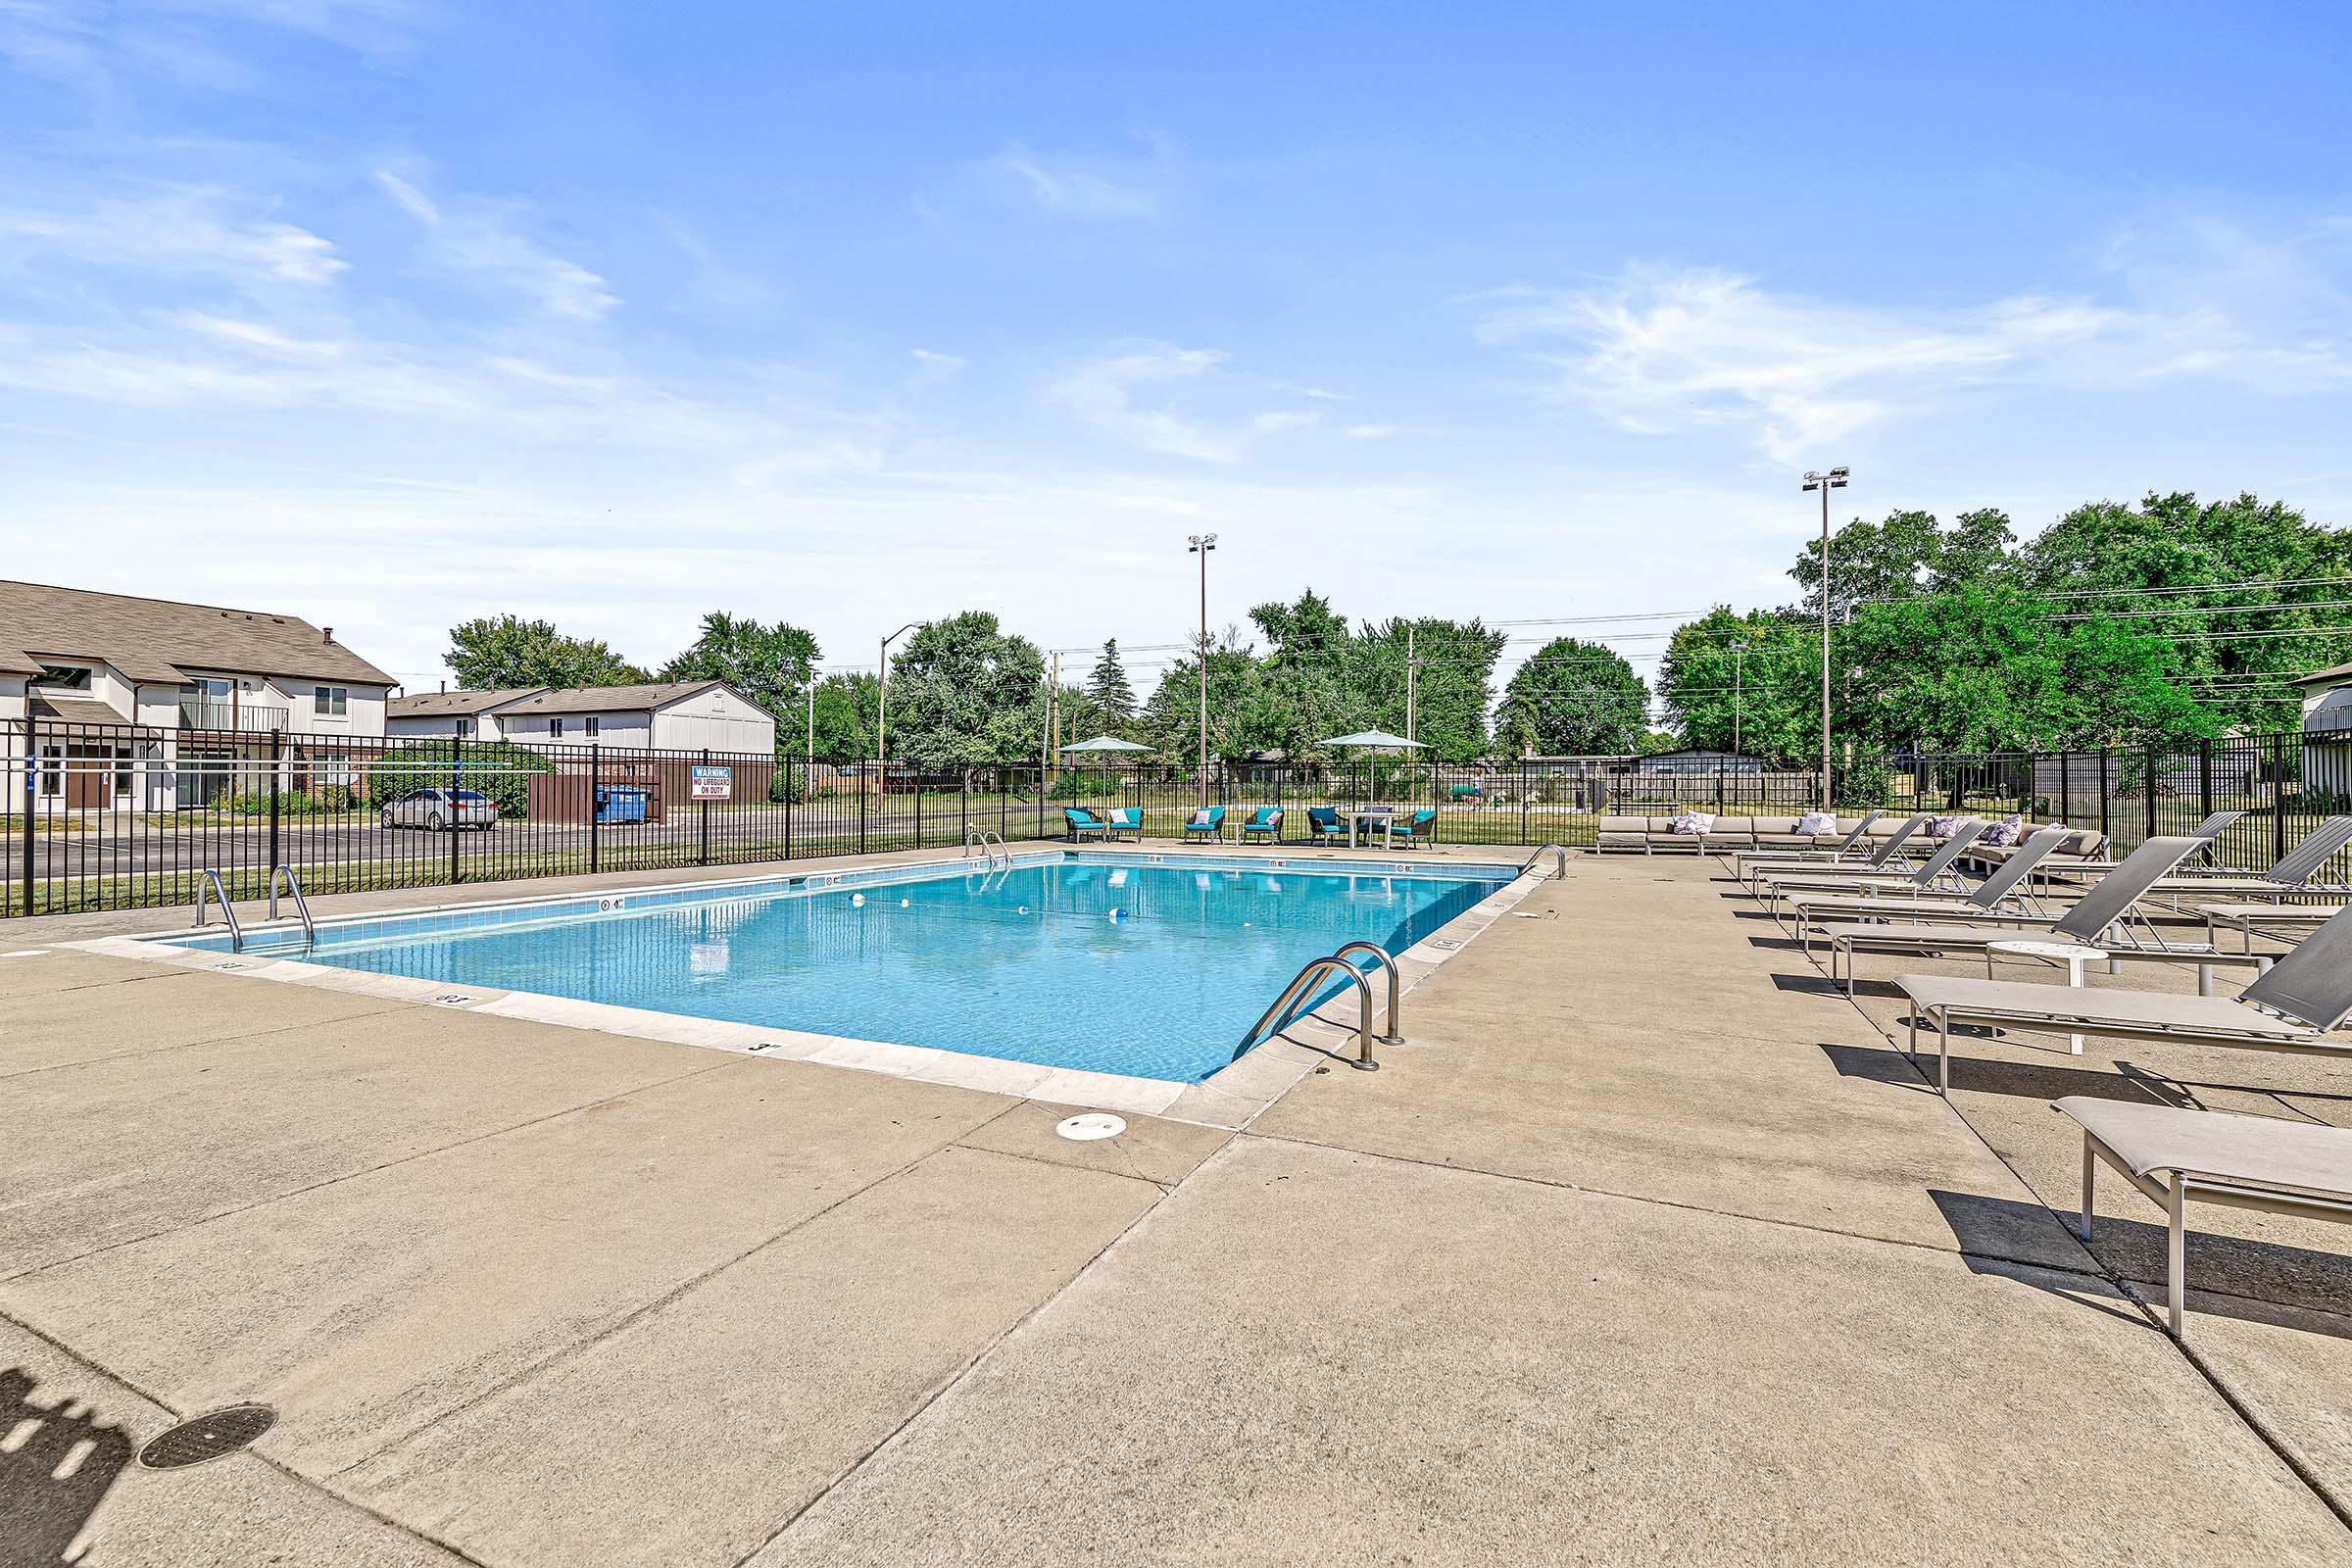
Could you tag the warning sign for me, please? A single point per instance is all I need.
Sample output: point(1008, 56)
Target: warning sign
point(713, 783)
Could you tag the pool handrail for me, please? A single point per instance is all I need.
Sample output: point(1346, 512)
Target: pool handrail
point(1559, 856)
point(302, 906)
point(211, 885)
point(1388, 962)
point(1278, 1014)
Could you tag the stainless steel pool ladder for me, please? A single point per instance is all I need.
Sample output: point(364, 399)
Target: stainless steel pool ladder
point(1560, 861)
point(211, 887)
point(978, 837)
point(309, 932)
point(1303, 984)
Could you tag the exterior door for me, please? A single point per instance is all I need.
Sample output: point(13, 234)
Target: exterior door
point(89, 778)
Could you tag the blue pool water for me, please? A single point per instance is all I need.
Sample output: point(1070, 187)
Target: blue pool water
point(1030, 963)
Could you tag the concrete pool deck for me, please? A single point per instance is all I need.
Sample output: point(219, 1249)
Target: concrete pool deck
point(1648, 1247)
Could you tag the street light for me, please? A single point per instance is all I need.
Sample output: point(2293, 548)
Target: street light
point(1201, 544)
point(882, 713)
point(1835, 479)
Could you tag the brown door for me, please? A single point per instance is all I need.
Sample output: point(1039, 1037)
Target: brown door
point(90, 779)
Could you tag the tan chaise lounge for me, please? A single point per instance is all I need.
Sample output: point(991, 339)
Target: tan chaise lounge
point(2172, 1155)
point(1988, 900)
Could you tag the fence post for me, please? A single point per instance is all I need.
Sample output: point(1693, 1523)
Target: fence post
point(2066, 793)
point(2205, 780)
point(278, 752)
point(33, 778)
point(862, 811)
point(2278, 803)
point(595, 807)
point(2106, 828)
point(2148, 784)
point(704, 850)
point(456, 782)
point(1523, 799)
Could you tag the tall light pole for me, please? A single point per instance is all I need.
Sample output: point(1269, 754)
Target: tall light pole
point(1739, 682)
point(1835, 479)
point(882, 713)
point(1201, 544)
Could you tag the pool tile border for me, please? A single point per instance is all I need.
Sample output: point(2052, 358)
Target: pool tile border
point(1231, 1098)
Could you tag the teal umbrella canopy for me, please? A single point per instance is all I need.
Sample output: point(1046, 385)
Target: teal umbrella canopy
point(1373, 737)
point(1104, 743)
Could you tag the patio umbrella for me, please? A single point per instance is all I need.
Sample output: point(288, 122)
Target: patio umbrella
point(1104, 743)
point(1375, 738)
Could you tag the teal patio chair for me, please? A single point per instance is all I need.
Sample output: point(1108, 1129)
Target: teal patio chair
point(1127, 819)
point(1083, 823)
point(1264, 823)
point(1208, 824)
point(1323, 822)
point(1415, 829)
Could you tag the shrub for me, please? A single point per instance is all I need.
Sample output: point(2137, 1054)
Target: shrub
point(499, 769)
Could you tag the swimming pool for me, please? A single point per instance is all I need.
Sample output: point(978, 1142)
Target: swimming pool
point(1142, 965)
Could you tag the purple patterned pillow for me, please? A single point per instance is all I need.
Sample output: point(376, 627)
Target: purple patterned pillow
point(2009, 830)
point(1942, 827)
point(1693, 824)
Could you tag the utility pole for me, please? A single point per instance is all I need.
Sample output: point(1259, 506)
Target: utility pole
point(1738, 673)
point(1201, 544)
point(1835, 479)
point(1412, 667)
point(882, 714)
point(1053, 709)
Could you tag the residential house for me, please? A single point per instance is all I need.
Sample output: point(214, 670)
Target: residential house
point(662, 715)
point(467, 715)
point(2327, 732)
point(123, 703)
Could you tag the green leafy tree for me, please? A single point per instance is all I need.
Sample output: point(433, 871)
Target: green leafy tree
point(1761, 698)
point(1111, 698)
point(965, 693)
point(772, 665)
point(493, 651)
point(844, 721)
point(1452, 689)
point(1578, 699)
point(1901, 558)
point(1238, 713)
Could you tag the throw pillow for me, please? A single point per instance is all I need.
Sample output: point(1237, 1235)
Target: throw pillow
point(1691, 824)
point(1815, 823)
point(1201, 817)
point(2009, 830)
point(1942, 827)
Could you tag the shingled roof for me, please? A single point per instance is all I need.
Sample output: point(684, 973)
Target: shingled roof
point(162, 641)
point(641, 699)
point(456, 704)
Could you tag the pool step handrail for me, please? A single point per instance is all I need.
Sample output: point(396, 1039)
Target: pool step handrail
point(976, 837)
point(1301, 984)
point(1560, 861)
point(211, 887)
point(302, 906)
point(1388, 962)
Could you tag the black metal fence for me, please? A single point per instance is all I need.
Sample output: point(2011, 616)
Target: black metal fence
point(112, 818)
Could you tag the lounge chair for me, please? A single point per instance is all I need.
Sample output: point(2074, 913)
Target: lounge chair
point(1882, 860)
point(1264, 823)
point(1414, 829)
point(1987, 899)
point(1206, 824)
point(2098, 919)
point(2305, 993)
point(2284, 921)
point(1933, 870)
point(2259, 1163)
point(1743, 861)
point(1127, 819)
point(1323, 822)
point(1083, 823)
point(2291, 876)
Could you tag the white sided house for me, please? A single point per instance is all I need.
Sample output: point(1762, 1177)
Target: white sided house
point(110, 702)
point(693, 715)
point(2327, 733)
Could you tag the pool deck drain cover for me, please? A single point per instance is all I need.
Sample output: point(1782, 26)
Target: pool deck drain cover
point(1087, 1128)
point(212, 1435)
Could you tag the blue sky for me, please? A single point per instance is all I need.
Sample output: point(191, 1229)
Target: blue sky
point(389, 313)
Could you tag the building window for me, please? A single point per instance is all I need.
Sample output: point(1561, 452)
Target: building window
point(330, 701)
point(591, 726)
point(66, 678)
point(555, 729)
point(464, 729)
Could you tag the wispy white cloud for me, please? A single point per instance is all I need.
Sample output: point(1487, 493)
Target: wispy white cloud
point(96, 46)
point(932, 367)
point(1067, 188)
point(485, 240)
point(1103, 394)
point(1370, 433)
point(1664, 350)
point(179, 230)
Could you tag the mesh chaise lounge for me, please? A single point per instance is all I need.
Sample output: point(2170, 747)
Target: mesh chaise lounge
point(1931, 872)
point(2172, 1155)
point(2293, 876)
point(2098, 917)
point(2288, 922)
point(2305, 993)
point(1988, 899)
point(1742, 859)
point(1880, 860)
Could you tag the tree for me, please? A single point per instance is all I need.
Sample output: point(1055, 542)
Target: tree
point(772, 665)
point(1762, 699)
point(1111, 699)
point(1238, 709)
point(493, 651)
point(1453, 685)
point(1578, 699)
point(965, 693)
point(1901, 558)
point(844, 721)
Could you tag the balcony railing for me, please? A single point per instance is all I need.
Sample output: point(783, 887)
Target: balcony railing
point(197, 713)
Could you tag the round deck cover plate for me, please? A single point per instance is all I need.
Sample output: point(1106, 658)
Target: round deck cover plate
point(1091, 1126)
